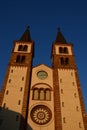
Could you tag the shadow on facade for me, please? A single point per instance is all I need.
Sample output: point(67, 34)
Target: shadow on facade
point(10, 120)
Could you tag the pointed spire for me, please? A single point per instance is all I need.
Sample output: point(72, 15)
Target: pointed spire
point(60, 38)
point(26, 36)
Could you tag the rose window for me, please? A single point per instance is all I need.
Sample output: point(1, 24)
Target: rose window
point(41, 114)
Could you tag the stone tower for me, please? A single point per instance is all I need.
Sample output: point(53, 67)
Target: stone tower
point(15, 90)
point(42, 97)
point(69, 107)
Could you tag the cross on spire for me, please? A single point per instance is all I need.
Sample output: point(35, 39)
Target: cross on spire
point(58, 29)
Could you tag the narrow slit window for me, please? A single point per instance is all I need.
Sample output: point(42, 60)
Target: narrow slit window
point(80, 125)
point(75, 95)
point(22, 78)
point(64, 120)
point(7, 92)
point(62, 104)
point(60, 80)
point(21, 89)
point(19, 102)
point(73, 83)
point(9, 81)
point(61, 91)
point(77, 108)
point(71, 73)
point(12, 71)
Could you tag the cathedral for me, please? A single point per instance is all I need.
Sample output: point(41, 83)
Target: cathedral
point(42, 97)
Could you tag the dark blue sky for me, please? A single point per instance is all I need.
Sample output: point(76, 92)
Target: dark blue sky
point(44, 17)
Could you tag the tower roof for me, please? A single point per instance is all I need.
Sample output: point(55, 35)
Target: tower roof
point(60, 38)
point(26, 36)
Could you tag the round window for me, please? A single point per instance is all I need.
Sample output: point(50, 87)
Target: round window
point(42, 74)
point(41, 114)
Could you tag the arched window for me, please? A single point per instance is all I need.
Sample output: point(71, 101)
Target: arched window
point(23, 59)
point(48, 94)
point(42, 94)
point(75, 95)
point(66, 61)
point(62, 60)
point(20, 48)
point(65, 50)
point(35, 94)
point(80, 125)
point(18, 59)
point(61, 91)
point(25, 48)
point(62, 104)
point(64, 120)
point(60, 49)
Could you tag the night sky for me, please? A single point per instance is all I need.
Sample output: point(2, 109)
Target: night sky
point(44, 17)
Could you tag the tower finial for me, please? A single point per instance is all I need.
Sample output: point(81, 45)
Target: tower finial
point(28, 27)
point(58, 29)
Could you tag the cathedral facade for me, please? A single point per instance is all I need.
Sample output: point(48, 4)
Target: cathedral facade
point(42, 97)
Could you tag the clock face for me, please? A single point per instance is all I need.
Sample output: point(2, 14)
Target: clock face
point(42, 74)
point(41, 114)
